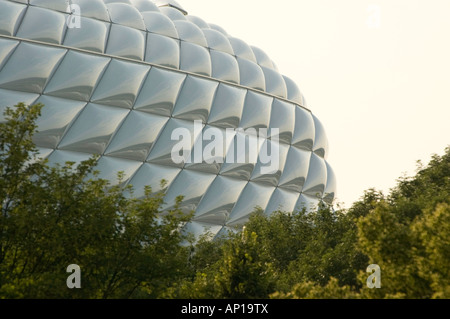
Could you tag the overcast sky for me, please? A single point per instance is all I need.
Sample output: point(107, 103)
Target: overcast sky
point(376, 73)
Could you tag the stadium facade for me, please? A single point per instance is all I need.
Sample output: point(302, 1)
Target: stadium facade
point(117, 78)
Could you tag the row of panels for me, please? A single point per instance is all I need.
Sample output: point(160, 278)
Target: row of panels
point(215, 198)
point(144, 15)
point(138, 136)
point(162, 36)
point(103, 90)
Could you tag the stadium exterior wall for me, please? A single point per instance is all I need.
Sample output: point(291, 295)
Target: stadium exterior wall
point(119, 77)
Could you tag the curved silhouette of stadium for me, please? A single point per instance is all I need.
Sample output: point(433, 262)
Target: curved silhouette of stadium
point(117, 78)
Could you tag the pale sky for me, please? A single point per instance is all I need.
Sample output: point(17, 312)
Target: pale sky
point(376, 73)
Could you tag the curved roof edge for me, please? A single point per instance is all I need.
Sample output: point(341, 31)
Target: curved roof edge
point(170, 3)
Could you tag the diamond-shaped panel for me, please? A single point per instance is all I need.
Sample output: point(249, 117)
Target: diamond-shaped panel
point(195, 100)
point(136, 136)
point(56, 116)
point(77, 76)
point(29, 67)
point(120, 84)
point(93, 129)
point(10, 16)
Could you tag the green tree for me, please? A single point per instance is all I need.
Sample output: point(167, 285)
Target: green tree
point(55, 216)
point(329, 251)
point(434, 265)
point(244, 271)
point(276, 252)
point(240, 270)
point(311, 290)
point(407, 234)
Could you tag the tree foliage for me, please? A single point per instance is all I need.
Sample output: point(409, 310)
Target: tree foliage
point(56, 215)
point(274, 253)
point(408, 235)
point(324, 254)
